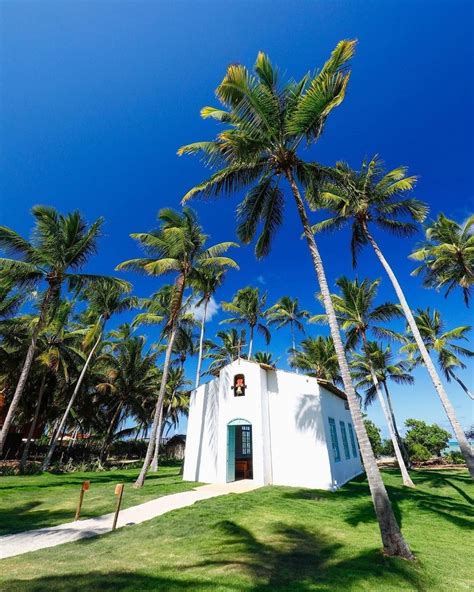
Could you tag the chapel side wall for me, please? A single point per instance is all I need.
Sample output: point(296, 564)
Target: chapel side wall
point(344, 470)
point(299, 448)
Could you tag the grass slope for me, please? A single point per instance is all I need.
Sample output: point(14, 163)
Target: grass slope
point(273, 539)
point(46, 500)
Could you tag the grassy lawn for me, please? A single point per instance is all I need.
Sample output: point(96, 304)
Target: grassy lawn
point(46, 500)
point(273, 539)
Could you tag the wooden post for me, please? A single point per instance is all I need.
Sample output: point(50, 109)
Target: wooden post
point(84, 487)
point(118, 492)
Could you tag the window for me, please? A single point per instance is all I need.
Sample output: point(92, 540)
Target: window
point(334, 441)
point(345, 443)
point(353, 442)
point(246, 441)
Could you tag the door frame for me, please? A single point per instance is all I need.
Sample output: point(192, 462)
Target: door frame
point(230, 464)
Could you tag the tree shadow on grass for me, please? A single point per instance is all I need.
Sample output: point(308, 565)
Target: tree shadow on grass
point(297, 560)
point(112, 581)
point(77, 478)
point(447, 479)
point(360, 508)
point(23, 517)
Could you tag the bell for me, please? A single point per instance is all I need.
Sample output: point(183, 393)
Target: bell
point(239, 390)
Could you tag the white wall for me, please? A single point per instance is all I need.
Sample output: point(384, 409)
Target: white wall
point(299, 451)
point(335, 407)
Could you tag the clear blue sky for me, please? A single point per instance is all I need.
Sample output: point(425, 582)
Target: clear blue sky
point(97, 96)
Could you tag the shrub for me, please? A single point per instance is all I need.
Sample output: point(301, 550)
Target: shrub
point(431, 437)
point(454, 457)
point(419, 453)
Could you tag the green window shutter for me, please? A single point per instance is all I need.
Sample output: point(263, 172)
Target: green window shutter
point(353, 443)
point(345, 443)
point(334, 440)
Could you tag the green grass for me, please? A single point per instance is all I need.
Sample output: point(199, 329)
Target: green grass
point(274, 539)
point(28, 502)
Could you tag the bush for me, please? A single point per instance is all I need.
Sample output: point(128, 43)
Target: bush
point(454, 457)
point(419, 453)
point(431, 437)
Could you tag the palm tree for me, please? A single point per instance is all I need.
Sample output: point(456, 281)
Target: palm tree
point(58, 354)
point(230, 349)
point(372, 197)
point(176, 400)
point(105, 300)
point(447, 255)
point(317, 357)
point(248, 307)
point(60, 247)
point(379, 360)
point(357, 315)
point(176, 246)
point(206, 283)
point(286, 312)
point(442, 343)
point(130, 374)
point(268, 124)
point(157, 309)
point(264, 358)
point(185, 341)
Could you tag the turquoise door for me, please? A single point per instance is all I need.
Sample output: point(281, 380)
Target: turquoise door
point(230, 453)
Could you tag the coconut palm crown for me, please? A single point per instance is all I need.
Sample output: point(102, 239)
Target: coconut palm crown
point(445, 343)
point(447, 256)
point(316, 356)
point(368, 197)
point(286, 312)
point(266, 122)
point(357, 313)
point(248, 307)
point(381, 360)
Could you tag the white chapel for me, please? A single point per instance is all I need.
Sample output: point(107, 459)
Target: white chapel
point(275, 427)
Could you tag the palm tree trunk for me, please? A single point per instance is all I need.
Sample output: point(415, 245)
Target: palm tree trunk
point(448, 407)
point(26, 450)
point(159, 436)
point(392, 538)
point(201, 343)
point(391, 430)
point(54, 431)
point(462, 385)
point(156, 451)
point(250, 343)
point(49, 455)
point(159, 405)
point(110, 431)
point(406, 456)
point(25, 371)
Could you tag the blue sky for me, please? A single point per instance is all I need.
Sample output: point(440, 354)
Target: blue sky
point(96, 97)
